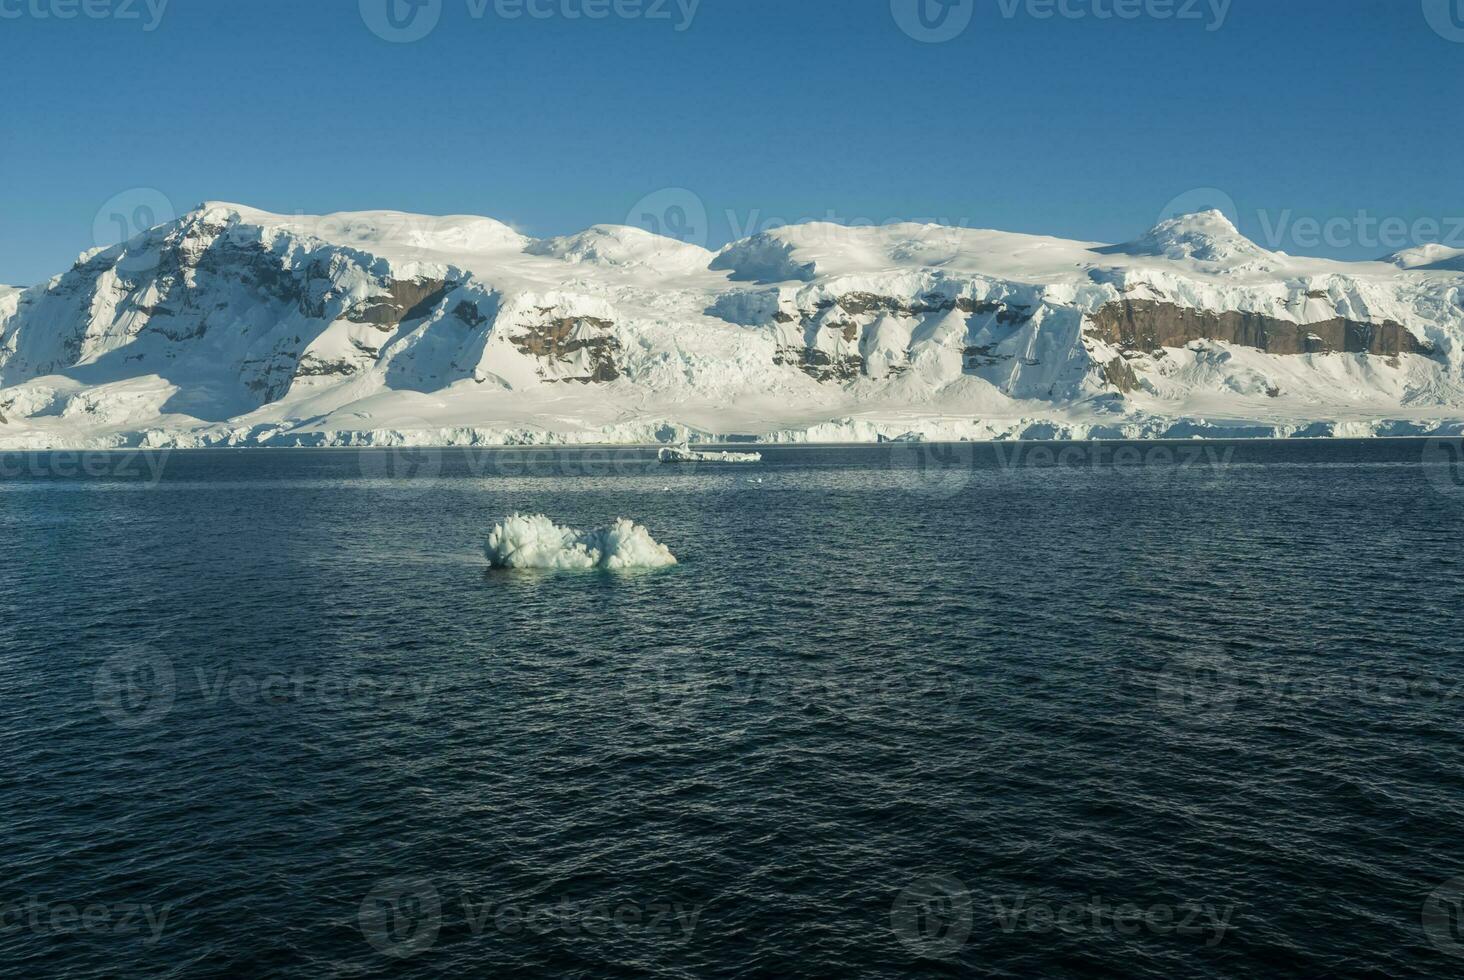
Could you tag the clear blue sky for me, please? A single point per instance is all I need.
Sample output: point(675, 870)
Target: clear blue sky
point(1083, 127)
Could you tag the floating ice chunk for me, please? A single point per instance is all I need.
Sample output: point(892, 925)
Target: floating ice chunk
point(537, 542)
point(685, 454)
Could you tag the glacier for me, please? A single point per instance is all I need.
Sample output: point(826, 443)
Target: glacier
point(231, 326)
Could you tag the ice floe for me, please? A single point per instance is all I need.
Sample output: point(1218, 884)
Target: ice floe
point(535, 541)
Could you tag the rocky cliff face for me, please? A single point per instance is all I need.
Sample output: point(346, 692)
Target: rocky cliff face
point(1148, 325)
point(235, 326)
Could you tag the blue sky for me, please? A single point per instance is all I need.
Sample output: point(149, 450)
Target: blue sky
point(1026, 118)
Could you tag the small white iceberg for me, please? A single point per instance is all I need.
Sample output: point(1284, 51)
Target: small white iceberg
point(685, 454)
point(537, 542)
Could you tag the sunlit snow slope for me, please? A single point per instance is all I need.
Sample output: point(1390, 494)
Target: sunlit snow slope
point(231, 326)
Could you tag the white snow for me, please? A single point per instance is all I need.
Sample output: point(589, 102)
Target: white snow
point(684, 454)
point(536, 542)
point(1430, 257)
point(232, 326)
point(1208, 236)
point(623, 247)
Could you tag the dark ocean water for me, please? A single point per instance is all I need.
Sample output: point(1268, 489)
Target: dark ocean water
point(900, 711)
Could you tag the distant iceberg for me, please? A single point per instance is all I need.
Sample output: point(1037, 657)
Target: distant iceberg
point(537, 542)
point(685, 454)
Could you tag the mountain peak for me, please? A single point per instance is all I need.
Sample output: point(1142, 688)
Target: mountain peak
point(1204, 236)
point(1429, 258)
point(622, 246)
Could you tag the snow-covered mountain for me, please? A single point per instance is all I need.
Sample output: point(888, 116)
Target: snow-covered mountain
point(230, 326)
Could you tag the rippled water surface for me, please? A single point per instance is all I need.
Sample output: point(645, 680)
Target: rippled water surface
point(899, 711)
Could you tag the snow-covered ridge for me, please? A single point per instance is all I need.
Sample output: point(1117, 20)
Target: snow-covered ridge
point(1430, 257)
point(232, 326)
point(624, 247)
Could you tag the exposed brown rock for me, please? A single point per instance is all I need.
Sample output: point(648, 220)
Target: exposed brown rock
point(858, 304)
point(561, 338)
point(469, 314)
point(1118, 373)
point(986, 355)
point(1146, 325)
point(405, 299)
point(820, 365)
point(312, 367)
